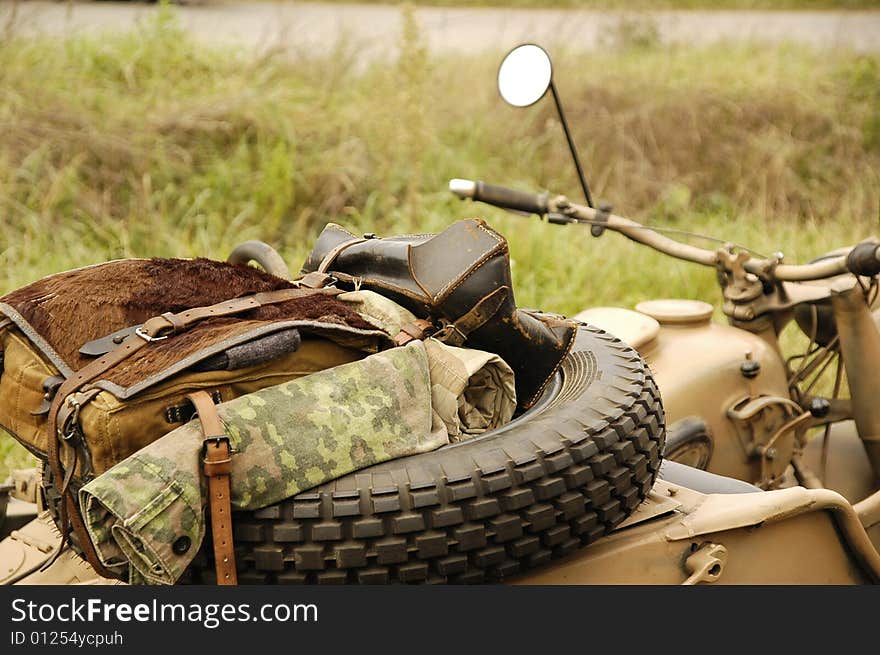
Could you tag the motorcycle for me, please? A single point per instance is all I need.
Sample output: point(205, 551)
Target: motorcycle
point(737, 496)
point(737, 405)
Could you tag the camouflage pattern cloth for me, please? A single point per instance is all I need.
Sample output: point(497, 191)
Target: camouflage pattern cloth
point(472, 391)
point(292, 437)
point(285, 439)
point(383, 312)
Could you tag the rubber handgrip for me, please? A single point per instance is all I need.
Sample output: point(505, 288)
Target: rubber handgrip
point(863, 259)
point(533, 203)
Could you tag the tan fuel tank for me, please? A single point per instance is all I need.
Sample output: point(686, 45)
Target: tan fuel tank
point(703, 370)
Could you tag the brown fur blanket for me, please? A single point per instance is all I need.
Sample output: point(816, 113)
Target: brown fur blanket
point(72, 308)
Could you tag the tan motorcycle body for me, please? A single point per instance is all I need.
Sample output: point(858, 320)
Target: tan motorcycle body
point(730, 378)
point(679, 536)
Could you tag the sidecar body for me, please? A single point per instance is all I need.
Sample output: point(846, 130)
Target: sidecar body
point(727, 533)
point(694, 528)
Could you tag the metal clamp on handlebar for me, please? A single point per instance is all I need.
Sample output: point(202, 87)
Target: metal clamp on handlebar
point(603, 211)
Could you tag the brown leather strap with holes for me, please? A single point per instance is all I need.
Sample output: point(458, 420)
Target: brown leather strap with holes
point(156, 328)
point(70, 513)
point(168, 324)
point(217, 466)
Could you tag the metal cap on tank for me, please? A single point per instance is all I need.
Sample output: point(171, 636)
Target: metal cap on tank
point(676, 311)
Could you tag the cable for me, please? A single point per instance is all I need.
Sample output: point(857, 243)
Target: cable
point(672, 230)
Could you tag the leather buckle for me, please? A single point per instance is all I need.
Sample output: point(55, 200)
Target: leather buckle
point(419, 329)
point(216, 441)
point(146, 337)
point(216, 463)
point(161, 327)
point(449, 333)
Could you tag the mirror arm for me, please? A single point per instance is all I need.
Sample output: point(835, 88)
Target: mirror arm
point(571, 147)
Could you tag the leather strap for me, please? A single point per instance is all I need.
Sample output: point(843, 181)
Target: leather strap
point(314, 280)
point(155, 329)
point(167, 324)
point(455, 333)
point(418, 329)
point(217, 466)
point(331, 256)
point(70, 513)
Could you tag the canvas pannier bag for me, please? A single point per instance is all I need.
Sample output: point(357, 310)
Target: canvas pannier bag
point(102, 360)
point(57, 326)
point(398, 402)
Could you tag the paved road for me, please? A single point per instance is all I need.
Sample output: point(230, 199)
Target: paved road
point(318, 27)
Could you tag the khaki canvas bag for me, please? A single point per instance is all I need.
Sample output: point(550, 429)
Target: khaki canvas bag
point(57, 326)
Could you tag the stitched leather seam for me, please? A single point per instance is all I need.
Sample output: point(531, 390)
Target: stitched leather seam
point(540, 390)
point(500, 247)
point(412, 272)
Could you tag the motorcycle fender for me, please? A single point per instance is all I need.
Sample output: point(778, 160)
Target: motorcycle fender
point(755, 538)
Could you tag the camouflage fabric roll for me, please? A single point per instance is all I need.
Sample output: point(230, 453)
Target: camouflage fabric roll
point(285, 439)
point(472, 391)
point(289, 438)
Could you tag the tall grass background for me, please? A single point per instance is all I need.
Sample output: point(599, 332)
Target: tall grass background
point(149, 144)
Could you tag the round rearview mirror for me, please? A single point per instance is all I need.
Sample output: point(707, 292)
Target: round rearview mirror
point(524, 75)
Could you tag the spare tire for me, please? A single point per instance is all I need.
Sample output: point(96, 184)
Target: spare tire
point(562, 475)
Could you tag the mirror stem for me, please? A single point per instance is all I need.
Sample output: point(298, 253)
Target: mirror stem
point(574, 155)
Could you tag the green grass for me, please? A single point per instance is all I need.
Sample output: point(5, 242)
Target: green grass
point(147, 144)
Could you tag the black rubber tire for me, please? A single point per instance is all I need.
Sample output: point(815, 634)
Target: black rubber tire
point(562, 475)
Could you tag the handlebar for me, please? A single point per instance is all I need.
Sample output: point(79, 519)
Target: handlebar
point(861, 260)
point(499, 196)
